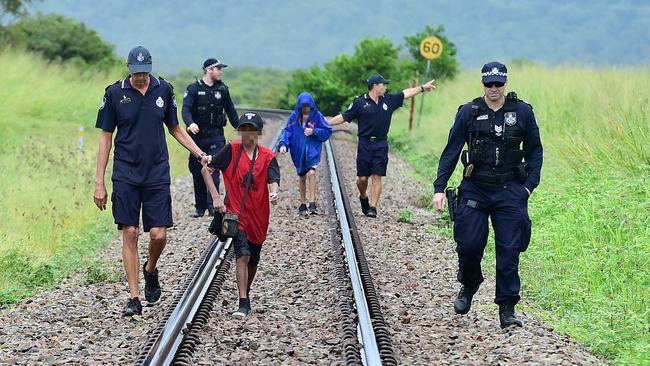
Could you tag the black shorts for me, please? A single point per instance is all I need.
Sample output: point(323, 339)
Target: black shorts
point(155, 201)
point(245, 248)
point(372, 157)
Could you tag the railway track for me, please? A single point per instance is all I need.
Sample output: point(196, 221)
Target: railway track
point(365, 336)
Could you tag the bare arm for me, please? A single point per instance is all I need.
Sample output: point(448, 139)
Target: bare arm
point(217, 202)
point(411, 92)
point(105, 143)
point(337, 120)
point(184, 139)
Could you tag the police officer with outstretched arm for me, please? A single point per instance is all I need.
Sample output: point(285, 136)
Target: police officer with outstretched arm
point(206, 104)
point(501, 168)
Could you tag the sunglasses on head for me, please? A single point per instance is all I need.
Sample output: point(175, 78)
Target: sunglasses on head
point(494, 83)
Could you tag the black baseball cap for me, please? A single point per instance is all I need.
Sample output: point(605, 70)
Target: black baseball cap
point(251, 118)
point(494, 71)
point(376, 79)
point(139, 60)
point(213, 62)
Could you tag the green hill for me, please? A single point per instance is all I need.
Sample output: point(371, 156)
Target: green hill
point(290, 34)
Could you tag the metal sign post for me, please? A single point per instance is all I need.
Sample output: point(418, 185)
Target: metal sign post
point(430, 48)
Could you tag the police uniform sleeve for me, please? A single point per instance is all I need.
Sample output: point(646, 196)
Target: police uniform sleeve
point(533, 152)
point(273, 172)
point(171, 112)
point(396, 100)
point(188, 103)
point(231, 111)
point(352, 112)
point(106, 115)
point(222, 159)
point(455, 143)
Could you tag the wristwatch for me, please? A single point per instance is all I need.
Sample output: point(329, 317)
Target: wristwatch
point(422, 88)
point(200, 156)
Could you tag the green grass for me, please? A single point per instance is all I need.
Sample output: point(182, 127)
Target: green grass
point(587, 269)
point(49, 225)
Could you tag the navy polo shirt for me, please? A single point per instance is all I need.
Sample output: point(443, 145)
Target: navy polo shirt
point(374, 118)
point(459, 136)
point(140, 155)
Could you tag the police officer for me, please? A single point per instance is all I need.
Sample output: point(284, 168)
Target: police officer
point(373, 111)
point(205, 106)
point(501, 168)
point(138, 107)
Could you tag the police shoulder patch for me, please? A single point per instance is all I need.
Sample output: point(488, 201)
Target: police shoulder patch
point(102, 104)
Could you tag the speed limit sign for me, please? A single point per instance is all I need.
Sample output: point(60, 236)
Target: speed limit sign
point(430, 48)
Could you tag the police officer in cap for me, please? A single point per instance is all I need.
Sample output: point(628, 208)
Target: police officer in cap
point(137, 108)
point(374, 111)
point(206, 104)
point(501, 168)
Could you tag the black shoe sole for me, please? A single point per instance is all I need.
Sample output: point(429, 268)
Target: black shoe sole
point(152, 298)
point(461, 311)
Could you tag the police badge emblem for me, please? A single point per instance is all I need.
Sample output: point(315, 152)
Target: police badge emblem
point(102, 104)
point(385, 107)
point(140, 57)
point(217, 95)
point(510, 118)
point(160, 102)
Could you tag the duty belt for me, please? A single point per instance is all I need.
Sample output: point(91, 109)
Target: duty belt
point(373, 138)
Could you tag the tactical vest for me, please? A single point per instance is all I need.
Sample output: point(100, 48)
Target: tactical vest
point(207, 110)
point(494, 154)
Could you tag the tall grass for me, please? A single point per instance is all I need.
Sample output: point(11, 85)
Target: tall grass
point(587, 269)
point(48, 222)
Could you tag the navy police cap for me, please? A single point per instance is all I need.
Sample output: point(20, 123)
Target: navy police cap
point(376, 79)
point(139, 60)
point(213, 62)
point(494, 71)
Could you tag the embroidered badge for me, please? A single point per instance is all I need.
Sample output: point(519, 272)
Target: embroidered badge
point(185, 95)
point(385, 107)
point(250, 115)
point(140, 57)
point(217, 95)
point(160, 102)
point(102, 104)
point(483, 117)
point(201, 93)
point(498, 130)
point(174, 100)
point(510, 118)
point(125, 99)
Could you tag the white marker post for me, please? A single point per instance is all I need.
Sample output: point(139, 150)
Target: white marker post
point(430, 48)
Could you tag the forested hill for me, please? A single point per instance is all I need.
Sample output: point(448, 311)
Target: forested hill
point(290, 34)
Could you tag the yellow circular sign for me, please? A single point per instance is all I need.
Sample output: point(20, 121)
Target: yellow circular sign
point(430, 48)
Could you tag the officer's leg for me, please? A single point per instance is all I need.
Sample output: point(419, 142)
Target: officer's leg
point(470, 233)
point(376, 190)
point(200, 189)
point(362, 185)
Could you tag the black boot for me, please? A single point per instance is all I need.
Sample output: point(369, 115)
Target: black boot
point(463, 301)
point(507, 315)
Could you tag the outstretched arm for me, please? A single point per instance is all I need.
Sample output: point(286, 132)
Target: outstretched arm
point(184, 139)
point(411, 92)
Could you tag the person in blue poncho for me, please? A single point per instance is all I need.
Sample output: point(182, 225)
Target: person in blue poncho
point(303, 136)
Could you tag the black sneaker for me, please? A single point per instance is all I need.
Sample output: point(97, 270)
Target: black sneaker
point(244, 309)
point(365, 205)
point(197, 213)
point(312, 208)
point(302, 210)
point(133, 307)
point(151, 285)
point(463, 301)
point(372, 212)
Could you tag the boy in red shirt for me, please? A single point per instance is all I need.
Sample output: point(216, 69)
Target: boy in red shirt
point(235, 161)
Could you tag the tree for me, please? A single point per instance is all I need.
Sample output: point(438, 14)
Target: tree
point(59, 38)
point(443, 67)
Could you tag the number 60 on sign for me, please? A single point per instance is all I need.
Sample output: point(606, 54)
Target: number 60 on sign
point(430, 48)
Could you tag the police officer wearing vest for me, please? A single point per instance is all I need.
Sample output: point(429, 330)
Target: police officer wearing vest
point(501, 168)
point(206, 104)
point(374, 111)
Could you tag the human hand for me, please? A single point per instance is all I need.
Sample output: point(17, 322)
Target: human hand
point(205, 160)
point(283, 149)
point(100, 196)
point(273, 197)
point(439, 201)
point(428, 86)
point(218, 205)
point(194, 128)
